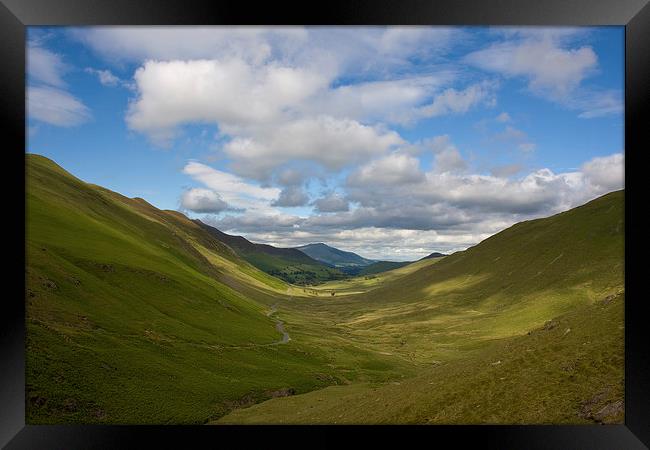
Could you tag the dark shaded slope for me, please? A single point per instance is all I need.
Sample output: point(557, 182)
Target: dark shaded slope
point(434, 255)
point(382, 266)
point(334, 256)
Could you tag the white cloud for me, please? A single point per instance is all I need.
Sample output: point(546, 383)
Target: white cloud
point(295, 107)
point(608, 172)
point(394, 169)
point(332, 48)
point(46, 97)
point(449, 160)
point(452, 101)
point(393, 101)
point(135, 44)
point(201, 200)
point(45, 66)
point(105, 77)
point(55, 106)
point(442, 211)
point(231, 188)
point(553, 66)
point(333, 143)
point(548, 67)
point(438, 144)
point(597, 103)
point(229, 92)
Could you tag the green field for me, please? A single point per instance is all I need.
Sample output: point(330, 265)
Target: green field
point(137, 315)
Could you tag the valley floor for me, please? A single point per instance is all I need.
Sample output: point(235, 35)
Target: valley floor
point(569, 370)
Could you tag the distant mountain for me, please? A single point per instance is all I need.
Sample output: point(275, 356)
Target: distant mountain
point(289, 264)
point(333, 256)
point(433, 255)
point(348, 262)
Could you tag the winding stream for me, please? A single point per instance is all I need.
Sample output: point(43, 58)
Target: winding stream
point(279, 325)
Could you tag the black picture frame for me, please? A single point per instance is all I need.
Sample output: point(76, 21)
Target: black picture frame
point(15, 15)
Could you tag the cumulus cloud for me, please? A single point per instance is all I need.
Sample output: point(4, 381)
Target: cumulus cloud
point(291, 196)
point(269, 90)
point(230, 92)
point(203, 201)
point(291, 177)
point(333, 143)
point(393, 101)
point(295, 105)
point(331, 203)
point(395, 169)
point(442, 211)
point(449, 160)
point(447, 157)
point(607, 173)
point(233, 189)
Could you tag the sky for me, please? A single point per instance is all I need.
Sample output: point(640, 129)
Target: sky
point(391, 142)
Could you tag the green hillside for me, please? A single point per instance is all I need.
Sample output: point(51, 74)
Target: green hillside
point(289, 264)
point(472, 307)
point(137, 315)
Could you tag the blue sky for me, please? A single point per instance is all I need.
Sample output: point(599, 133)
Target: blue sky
point(390, 142)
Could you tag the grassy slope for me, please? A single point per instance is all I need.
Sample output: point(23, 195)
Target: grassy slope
point(509, 283)
point(570, 371)
point(364, 283)
point(136, 315)
point(119, 292)
point(457, 311)
point(289, 264)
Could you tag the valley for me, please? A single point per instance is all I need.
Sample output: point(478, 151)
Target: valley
point(141, 315)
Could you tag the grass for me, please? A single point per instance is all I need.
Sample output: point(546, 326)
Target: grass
point(570, 371)
point(136, 315)
point(131, 317)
